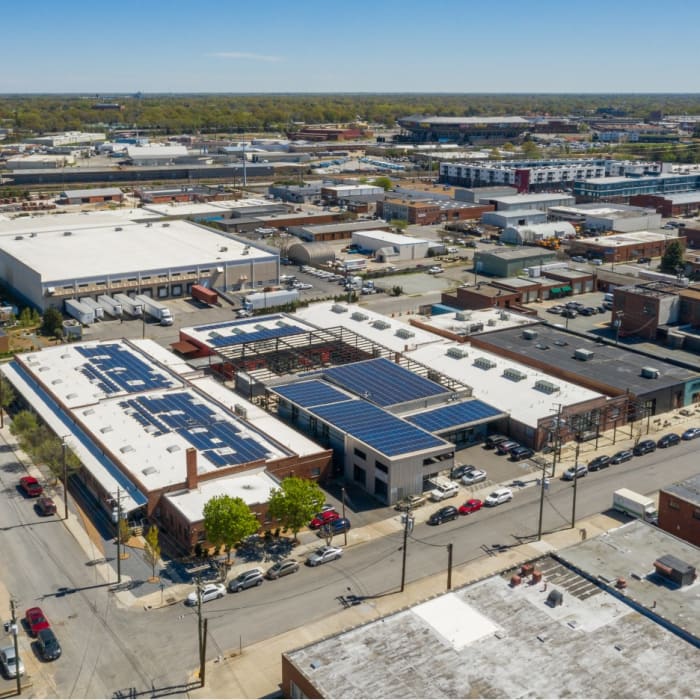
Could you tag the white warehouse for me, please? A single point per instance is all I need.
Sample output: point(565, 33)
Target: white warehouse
point(45, 260)
point(394, 246)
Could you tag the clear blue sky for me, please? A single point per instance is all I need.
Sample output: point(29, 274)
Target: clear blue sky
point(349, 46)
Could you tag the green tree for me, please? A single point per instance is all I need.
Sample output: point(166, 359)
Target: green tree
point(52, 322)
point(228, 520)
point(295, 502)
point(123, 535)
point(24, 422)
point(400, 224)
point(151, 549)
point(672, 258)
point(7, 396)
point(384, 182)
point(530, 150)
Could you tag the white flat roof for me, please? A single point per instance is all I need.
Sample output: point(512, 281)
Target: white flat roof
point(492, 319)
point(388, 237)
point(323, 316)
point(102, 250)
point(519, 398)
point(221, 206)
point(534, 197)
point(253, 486)
point(620, 239)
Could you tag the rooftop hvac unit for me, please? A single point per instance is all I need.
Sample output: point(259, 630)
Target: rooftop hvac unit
point(19, 238)
point(476, 327)
point(405, 333)
point(463, 315)
point(515, 375)
point(458, 352)
point(650, 373)
point(381, 325)
point(68, 233)
point(484, 363)
point(491, 322)
point(546, 387)
point(529, 333)
point(339, 308)
point(359, 316)
point(504, 315)
point(240, 410)
point(583, 354)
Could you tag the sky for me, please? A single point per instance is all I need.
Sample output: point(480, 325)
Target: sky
point(461, 46)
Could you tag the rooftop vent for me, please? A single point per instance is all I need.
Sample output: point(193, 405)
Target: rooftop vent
point(491, 322)
point(149, 470)
point(381, 325)
point(458, 352)
point(68, 233)
point(546, 387)
point(515, 375)
point(650, 373)
point(359, 316)
point(19, 238)
point(166, 225)
point(106, 429)
point(118, 228)
point(504, 315)
point(32, 234)
point(560, 343)
point(529, 333)
point(463, 315)
point(484, 363)
point(583, 354)
point(675, 570)
point(240, 411)
point(173, 448)
point(404, 333)
point(339, 308)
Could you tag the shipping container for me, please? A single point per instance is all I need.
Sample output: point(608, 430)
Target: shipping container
point(80, 312)
point(204, 294)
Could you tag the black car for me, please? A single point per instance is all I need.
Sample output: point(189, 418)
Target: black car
point(669, 440)
point(569, 313)
point(460, 470)
point(621, 456)
point(643, 261)
point(48, 645)
point(587, 311)
point(334, 527)
point(443, 515)
point(644, 447)
point(518, 453)
point(600, 462)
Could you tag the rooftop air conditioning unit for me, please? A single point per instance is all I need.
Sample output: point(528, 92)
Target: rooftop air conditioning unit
point(19, 238)
point(359, 316)
point(546, 387)
point(484, 363)
point(463, 315)
point(339, 308)
point(458, 352)
point(381, 325)
point(583, 354)
point(529, 333)
point(515, 375)
point(68, 233)
point(404, 333)
point(240, 411)
point(650, 373)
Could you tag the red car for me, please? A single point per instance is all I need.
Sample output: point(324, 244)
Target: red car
point(323, 518)
point(471, 506)
point(30, 486)
point(45, 506)
point(36, 620)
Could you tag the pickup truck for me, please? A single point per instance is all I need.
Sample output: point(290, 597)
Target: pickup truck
point(410, 502)
point(445, 490)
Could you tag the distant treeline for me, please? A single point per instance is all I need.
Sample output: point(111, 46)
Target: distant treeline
point(212, 113)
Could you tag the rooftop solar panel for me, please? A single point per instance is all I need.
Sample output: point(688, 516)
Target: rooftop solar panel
point(311, 393)
point(383, 382)
point(454, 415)
point(232, 324)
point(380, 430)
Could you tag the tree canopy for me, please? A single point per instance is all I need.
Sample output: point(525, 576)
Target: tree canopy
point(228, 520)
point(151, 548)
point(672, 258)
point(295, 502)
point(52, 322)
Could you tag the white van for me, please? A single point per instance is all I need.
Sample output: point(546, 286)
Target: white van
point(452, 250)
point(609, 296)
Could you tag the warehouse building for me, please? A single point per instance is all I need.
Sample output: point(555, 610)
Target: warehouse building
point(155, 154)
point(472, 130)
point(67, 138)
point(426, 212)
point(45, 260)
point(679, 509)
point(343, 194)
point(483, 195)
point(336, 231)
point(508, 262)
point(561, 623)
point(514, 217)
point(622, 247)
point(539, 201)
point(93, 196)
point(167, 444)
point(298, 194)
point(610, 217)
point(389, 246)
point(684, 204)
point(533, 234)
point(639, 310)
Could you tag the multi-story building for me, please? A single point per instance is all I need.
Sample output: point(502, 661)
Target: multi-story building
point(620, 189)
point(491, 130)
point(430, 211)
point(679, 509)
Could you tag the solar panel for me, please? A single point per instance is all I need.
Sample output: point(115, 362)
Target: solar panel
point(454, 415)
point(231, 324)
point(383, 382)
point(375, 427)
point(311, 393)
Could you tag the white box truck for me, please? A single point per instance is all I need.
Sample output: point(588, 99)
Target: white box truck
point(95, 306)
point(80, 312)
point(155, 309)
point(635, 504)
point(129, 306)
point(268, 300)
point(110, 305)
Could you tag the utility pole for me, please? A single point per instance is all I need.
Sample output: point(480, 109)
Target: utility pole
point(203, 655)
point(2, 410)
point(449, 566)
point(65, 480)
point(119, 535)
point(408, 523)
point(345, 531)
point(573, 509)
point(13, 608)
point(200, 644)
point(543, 479)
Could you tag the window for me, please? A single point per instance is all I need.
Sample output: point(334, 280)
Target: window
point(381, 467)
point(674, 505)
point(696, 513)
point(359, 453)
point(316, 471)
point(380, 488)
point(359, 475)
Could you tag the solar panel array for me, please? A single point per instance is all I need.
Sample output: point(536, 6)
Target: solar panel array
point(311, 393)
point(223, 443)
point(113, 369)
point(383, 382)
point(454, 415)
point(381, 430)
point(233, 324)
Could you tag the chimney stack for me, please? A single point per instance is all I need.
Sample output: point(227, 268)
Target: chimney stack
point(191, 457)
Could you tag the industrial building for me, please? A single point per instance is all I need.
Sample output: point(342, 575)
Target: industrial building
point(343, 194)
point(610, 217)
point(622, 247)
point(155, 154)
point(298, 194)
point(389, 246)
point(533, 234)
point(508, 262)
point(164, 443)
point(39, 161)
point(514, 217)
point(684, 204)
point(639, 310)
point(184, 193)
point(337, 231)
point(426, 212)
point(92, 196)
point(463, 130)
point(45, 260)
point(621, 189)
point(539, 201)
point(571, 623)
point(679, 509)
point(67, 138)
point(483, 195)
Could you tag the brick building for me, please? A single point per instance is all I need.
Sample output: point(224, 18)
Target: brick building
point(483, 296)
point(679, 510)
point(430, 211)
point(639, 310)
point(670, 205)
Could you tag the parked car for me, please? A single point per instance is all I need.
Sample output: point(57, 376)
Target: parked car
point(323, 555)
point(644, 260)
point(210, 591)
point(435, 270)
point(669, 440)
point(494, 441)
point(600, 462)
point(691, 434)
point(495, 498)
point(460, 470)
point(644, 447)
point(10, 663)
point(473, 476)
point(470, 506)
point(595, 261)
point(519, 453)
point(36, 620)
point(443, 515)
point(30, 486)
point(578, 258)
point(444, 490)
point(410, 502)
point(247, 579)
point(48, 645)
point(282, 568)
point(325, 516)
point(45, 506)
point(569, 313)
point(556, 309)
point(575, 472)
point(621, 456)
point(334, 527)
point(588, 311)
point(503, 448)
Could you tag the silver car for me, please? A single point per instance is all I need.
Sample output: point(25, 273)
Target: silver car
point(247, 579)
point(8, 660)
point(473, 476)
point(211, 591)
point(323, 555)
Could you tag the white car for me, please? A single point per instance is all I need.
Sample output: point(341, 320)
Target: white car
point(211, 591)
point(443, 491)
point(473, 476)
point(495, 498)
point(9, 664)
point(323, 555)
point(304, 285)
point(435, 270)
